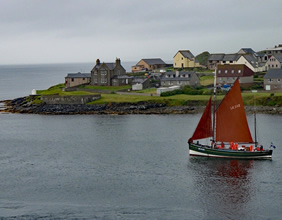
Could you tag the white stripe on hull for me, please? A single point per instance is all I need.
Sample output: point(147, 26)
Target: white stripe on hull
point(196, 153)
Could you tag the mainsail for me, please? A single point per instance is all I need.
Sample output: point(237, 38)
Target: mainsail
point(231, 120)
point(204, 128)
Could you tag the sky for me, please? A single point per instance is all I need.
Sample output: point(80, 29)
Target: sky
point(63, 31)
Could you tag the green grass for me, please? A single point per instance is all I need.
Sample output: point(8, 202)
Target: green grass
point(207, 80)
point(261, 98)
point(111, 88)
point(173, 100)
point(149, 91)
point(57, 90)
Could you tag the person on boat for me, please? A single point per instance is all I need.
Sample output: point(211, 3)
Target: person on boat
point(231, 145)
point(235, 146)
point(222, 145)
point(251, 148)
point(261, 148)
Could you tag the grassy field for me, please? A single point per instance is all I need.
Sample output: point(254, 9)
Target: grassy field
point(57, 90)
point(112, 88)
point(207, 80)
point(149, 91)
point(175, 100)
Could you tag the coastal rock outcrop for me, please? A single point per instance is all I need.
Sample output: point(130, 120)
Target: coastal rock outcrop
point(25, 105)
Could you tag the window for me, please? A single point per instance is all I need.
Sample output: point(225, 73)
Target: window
point(72, 79)
point(219, 71)
point(239, 71)
point(231, 61)
point(223, 61)
point(278, 80)
point(232, 71)
point(83, 79)
point(226, 71)
point(269, 80)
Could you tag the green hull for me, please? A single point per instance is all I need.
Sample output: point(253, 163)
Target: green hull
point(206, 151)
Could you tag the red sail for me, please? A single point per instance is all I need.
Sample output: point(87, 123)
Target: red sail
point(204, 128)
point(231, 120)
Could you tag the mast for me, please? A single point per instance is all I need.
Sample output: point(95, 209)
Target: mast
point(255, 121)
point(214, 103)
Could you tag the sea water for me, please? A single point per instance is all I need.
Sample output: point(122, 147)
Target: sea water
point(129, 167)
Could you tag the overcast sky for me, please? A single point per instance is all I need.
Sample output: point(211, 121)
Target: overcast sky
point(55, 31)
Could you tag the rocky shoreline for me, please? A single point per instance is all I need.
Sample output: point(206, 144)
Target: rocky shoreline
point(21, 105)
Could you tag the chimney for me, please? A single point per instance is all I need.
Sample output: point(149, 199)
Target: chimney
point(97, 62)
point(117, 61)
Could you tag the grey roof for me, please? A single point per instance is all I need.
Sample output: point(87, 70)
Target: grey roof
point(273, 74)
point(78, 75)
point(231, 57)
point(139, 80)
point(259, 54)
point(111, 66)
point(278, 57)
point(154, 61)
point(216, 56)
point(186, 54)
point(251, 59)
point(182, 73)
point(248, 50)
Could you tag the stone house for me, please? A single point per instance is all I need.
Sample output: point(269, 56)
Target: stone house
point(108, 74)
point(273, 80)
point(180, 78)
point(148, 65)
point(76, 79)
point(227, 74)
point(185, 59)
point(274, 62)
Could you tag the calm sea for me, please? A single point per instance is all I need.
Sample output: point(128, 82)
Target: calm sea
point(124, 167)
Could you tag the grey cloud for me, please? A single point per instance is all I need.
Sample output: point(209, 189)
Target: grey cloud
point(145, 26)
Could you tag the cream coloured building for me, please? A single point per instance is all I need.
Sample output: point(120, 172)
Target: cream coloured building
point(185, 59)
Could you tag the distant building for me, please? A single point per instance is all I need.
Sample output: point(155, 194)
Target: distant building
point(185, 59)
point(251, 61)
point(227, 74)
point(273, 80)
point(148, 65)
point(274, 62)
point(76, 79)
point(109, 74)
point(272, 51)
point(214, 60)
point(140, 83)
point(246, 51)
point(180, 79)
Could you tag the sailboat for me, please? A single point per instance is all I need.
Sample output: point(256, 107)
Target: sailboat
point(228, 130)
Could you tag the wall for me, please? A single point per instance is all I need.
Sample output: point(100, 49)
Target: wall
point(57, 99)
point(275, 84)
point(76, 81)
